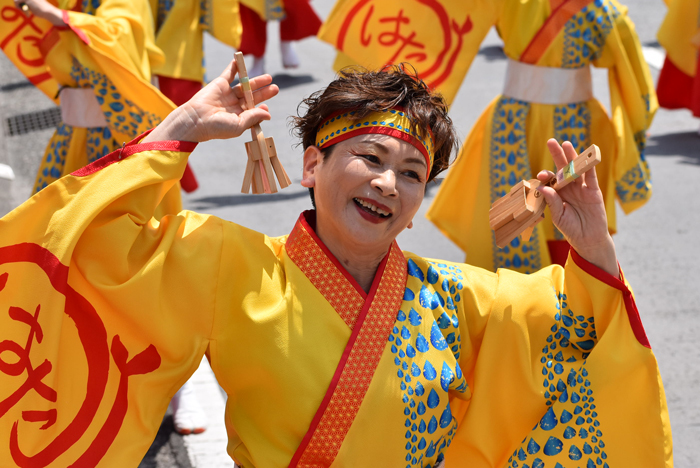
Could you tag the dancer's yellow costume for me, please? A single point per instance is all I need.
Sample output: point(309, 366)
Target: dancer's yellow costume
point(105, 312)
point(108, 47)
point(548, 93)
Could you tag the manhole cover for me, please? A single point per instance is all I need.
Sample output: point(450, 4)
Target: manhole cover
point(33, 121)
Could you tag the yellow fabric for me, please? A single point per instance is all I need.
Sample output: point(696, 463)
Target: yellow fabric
point(268, 10)
point(440, 39)
point(15, 27)
point(112, 55)
point(508, 142)
point(180, 28)
point(484, 347)
point(679, 34)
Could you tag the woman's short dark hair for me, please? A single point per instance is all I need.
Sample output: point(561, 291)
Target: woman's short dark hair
point(373, 91)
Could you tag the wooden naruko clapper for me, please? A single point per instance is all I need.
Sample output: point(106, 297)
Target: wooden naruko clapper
point(262, 154)
point(519, 211)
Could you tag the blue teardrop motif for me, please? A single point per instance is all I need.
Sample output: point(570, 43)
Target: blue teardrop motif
point(405, 334)
point(446, 417)
point(432, 426)
point(446, 377)
point(414, 317)
point(425, 298)
point(415, 372)
point(566, 416)
point(401, 316)
point(436, 338)
point(410, 351)
point(408, 295)
point(575, 453)
point(421, 408)
point(549, 420)
point(414, 271)
point(432, 275)
point(444, 321)
point(420, 390)
point(429, 371)
point(532, 447)
point(553, 446)
point(422, 343)
point(433, 399)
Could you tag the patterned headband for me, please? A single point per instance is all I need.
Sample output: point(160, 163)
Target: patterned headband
point(392, 122)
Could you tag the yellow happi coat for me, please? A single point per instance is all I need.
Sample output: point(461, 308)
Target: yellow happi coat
point(506, 144)
point(180, 26)
point(679, 34)
point(108, 46)
point(105, 312)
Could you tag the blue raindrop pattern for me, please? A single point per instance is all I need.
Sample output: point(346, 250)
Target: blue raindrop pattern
point(426, 345)
point(509, 164)
point(54, 161)
point(570, 428)
point(585, 33)
point(635, 185)
point(121, 114)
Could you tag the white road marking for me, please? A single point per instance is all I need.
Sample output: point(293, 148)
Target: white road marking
point(654, 56)
point(208, 449)
point(6, 172)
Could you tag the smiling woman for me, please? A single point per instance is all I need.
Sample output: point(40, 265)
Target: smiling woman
point(334, 346)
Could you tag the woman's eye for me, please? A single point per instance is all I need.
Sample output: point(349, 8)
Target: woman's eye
point(412, 175)
point(370, 158)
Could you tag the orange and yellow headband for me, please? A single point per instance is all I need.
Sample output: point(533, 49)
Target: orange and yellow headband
point(392, 122)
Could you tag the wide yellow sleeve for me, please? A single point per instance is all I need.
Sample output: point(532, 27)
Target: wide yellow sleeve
point(560, 373)
point(120, 306)
point(679, 34)
point(181, 29)
point(113, 51)
point(633, 105)
point(122, 29)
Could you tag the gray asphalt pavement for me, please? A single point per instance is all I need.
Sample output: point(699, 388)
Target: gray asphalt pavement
point(658, 246)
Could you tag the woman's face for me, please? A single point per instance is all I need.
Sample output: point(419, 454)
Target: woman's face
point(367, 190)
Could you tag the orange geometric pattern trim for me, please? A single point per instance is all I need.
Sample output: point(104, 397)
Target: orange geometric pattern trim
point(539, 44)
point(360, 359)
point(322, 269)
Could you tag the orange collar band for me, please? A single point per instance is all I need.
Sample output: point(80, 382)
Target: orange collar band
point(392, 122)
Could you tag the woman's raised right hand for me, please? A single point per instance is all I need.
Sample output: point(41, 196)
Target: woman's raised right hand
point(218, 111)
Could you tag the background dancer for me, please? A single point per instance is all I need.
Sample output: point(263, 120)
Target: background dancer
point(297, 18)
point(679, 82)
point(180, 27)
point(548, 91)
point(99, 53)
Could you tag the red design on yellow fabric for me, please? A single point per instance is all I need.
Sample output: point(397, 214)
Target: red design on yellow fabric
point(357, 365)
point(324, 274)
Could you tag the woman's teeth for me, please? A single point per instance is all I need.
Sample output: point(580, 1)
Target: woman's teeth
point(371, 207)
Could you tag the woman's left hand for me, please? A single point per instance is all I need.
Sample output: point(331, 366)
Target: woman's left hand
point(578, 211)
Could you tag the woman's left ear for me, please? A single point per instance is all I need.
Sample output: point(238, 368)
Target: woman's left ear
point(312, 158)
point(410, 224)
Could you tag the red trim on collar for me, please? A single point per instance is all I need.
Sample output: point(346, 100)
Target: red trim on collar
point(133, 147)
point(619, 284)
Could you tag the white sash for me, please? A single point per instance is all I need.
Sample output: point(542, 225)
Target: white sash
point(547, 85)
point(79, 108)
